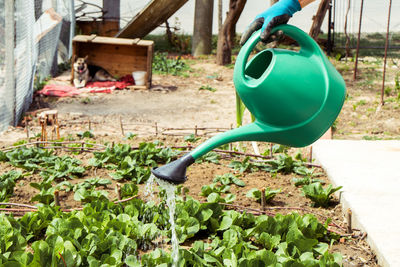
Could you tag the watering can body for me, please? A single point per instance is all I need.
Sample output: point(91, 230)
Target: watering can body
point(295, 96)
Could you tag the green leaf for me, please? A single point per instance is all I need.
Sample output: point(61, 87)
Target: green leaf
point(296, 237)
point(132, 261)
point(225, 223)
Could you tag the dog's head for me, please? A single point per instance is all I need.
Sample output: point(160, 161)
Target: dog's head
point(80, 64)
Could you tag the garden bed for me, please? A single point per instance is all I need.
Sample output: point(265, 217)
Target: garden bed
point(91, 180)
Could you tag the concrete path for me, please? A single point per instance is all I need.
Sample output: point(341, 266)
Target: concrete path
point(369, 172)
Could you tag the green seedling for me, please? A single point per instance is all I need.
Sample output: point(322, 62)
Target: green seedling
point(208, 88)
point(228, 179)
point(320, 196)
point(256, 194)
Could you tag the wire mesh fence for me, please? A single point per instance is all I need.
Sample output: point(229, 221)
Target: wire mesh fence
point(374, 20)
point(37, 36)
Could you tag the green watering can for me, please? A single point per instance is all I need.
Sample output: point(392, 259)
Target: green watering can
point(295, 96)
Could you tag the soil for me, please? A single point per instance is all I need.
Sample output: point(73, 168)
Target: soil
point(176, 102)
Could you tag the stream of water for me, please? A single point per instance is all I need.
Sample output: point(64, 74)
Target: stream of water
point(170, 190)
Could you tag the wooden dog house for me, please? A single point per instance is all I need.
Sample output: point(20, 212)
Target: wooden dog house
point(119, 56)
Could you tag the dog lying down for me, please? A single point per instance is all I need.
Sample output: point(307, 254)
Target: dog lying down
point(84, 73)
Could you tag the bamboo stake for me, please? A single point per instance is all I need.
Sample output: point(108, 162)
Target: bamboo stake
point(17, 205)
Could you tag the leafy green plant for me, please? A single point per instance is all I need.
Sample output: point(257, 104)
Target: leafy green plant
point(129, 190)
point(320, 196)
point(211, 156)
point(284, 163)
point(7, 184)
point(85, 195)
point(217, 198)
point(207, 88)
point(191, 138)
point(309, 174)
point(162, 64)
point(306, 181)
point(255, 193)
point(276, 148)
point(228, 179)
point(214, 188)
point(130, 136)
point(244, 166)
point(85, 134)
point(46, 194)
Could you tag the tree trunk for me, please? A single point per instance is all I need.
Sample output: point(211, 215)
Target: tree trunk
point(202, 31)
point(225, 42)
point(219, 14)
point(111, 9)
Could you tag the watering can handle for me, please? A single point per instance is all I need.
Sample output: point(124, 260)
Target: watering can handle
point(306, 43)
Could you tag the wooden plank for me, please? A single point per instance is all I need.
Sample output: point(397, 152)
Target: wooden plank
point(111, 50)
point(112, 40)
point(137, 87)
point(318, 19)
point(153, 15)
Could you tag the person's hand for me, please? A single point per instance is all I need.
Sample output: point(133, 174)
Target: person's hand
point(279, 13)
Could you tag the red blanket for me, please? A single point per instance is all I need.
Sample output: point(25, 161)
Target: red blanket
point(124, 82)
point(91, 87)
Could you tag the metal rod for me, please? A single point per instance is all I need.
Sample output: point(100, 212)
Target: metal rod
point(358, 40)
point(329, 44)
point(9, 41)
point(386, 49)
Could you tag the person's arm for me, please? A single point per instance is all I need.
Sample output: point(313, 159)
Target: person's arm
point(277, 14)
point(303, 3)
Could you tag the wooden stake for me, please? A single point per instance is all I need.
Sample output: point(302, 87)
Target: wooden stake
point(90, 125)
point(183, 193)
point(122, 126)
point(310, 157)
point(156, 128)
point(270, 150)
point(230, 144)
point(118, 190)
point(348, 219)
point(57, 129)
point(27, 129)
point(57, 198)
point(195, 131)
point(263, 200)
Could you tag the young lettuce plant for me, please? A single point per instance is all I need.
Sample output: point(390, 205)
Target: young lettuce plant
point(7, 184)
point(228, 179)
point(256, 194)
point(320, 196)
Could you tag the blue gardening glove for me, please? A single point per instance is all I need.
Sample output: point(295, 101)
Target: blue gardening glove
point(279, 13)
